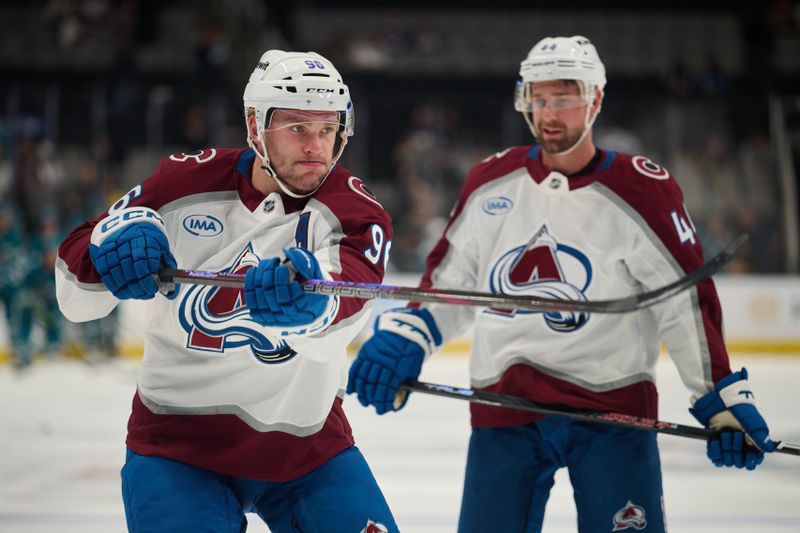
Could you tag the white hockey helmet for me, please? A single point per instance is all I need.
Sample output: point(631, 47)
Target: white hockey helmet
point(564, 58)
point(297, 80)
point(561, 58)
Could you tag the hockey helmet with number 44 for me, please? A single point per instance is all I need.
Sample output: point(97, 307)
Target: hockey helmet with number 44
point(561, 58)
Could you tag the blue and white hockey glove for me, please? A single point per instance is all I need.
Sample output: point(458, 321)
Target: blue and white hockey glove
point(395, 352)
point(730, 409)
point(276, 299)
point(127, 249)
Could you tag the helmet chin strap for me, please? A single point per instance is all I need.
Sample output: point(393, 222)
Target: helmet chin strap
point(267, 167)
point(587, 127)
point(588, 121)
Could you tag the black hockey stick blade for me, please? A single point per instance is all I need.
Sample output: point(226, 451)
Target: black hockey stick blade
point(598, 417)
point(457, 297)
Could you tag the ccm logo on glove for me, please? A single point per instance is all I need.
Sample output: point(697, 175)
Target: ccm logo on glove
point(127, 248)
point(124, 217)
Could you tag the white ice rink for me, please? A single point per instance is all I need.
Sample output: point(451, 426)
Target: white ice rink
point(62, 428)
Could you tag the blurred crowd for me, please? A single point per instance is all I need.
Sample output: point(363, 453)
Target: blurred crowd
point(39, 202)
point(72, 145)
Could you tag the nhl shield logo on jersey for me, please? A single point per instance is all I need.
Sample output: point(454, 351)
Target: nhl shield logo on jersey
point(374, 527)
point(631, 516)
point(546, 268)
point(216, 319)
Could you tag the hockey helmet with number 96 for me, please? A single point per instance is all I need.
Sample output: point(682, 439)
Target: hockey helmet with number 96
point(561, 58)
point(301, 81)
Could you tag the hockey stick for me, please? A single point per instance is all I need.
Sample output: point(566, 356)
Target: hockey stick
point(600, 417)
point(500, 301)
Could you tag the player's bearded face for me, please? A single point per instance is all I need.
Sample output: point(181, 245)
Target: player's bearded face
point(559, 112)
point(300, 146)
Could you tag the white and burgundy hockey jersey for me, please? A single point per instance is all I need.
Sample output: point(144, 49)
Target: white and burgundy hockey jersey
point(217, 390)
point(617, 227)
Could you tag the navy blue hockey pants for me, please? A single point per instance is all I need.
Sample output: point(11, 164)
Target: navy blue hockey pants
point(615, 475)
point(161, 495)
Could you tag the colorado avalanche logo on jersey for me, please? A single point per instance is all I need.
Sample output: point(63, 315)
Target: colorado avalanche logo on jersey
point(216, 319)
point(546, 268)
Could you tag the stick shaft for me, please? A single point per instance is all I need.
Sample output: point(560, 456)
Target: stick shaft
point(613, 419)
point(371, 291)
point(459, 297)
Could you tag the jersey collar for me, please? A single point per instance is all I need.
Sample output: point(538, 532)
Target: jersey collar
point(252, 197)
point(248, 194)
point(601, 161)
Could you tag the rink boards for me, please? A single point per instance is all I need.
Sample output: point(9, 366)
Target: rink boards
point(761, 313)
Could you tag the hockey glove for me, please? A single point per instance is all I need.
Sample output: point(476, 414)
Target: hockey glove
point(395, 352)
point(127, 249)
point(743, 434)
point(276, 299)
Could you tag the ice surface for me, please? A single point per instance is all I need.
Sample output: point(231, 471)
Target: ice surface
point(62, 430)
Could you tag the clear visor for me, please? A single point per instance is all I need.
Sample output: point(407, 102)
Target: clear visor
point(302, 121)
point(526, 101)
point(308, 126)
point(322, 130)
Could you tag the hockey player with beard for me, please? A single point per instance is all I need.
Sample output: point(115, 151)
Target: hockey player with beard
point(238, 406)
point(566, 219)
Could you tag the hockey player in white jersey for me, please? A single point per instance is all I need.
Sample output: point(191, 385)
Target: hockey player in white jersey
point(566, 219)
point(238, 406)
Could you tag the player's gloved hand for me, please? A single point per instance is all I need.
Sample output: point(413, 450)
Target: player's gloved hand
point(743, 434)
point(394, 353)
point(276, 299)
point(127, 249)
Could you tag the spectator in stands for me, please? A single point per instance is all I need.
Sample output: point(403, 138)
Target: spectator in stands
point(15, 265)
point(6, 171)
point(41, 288)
